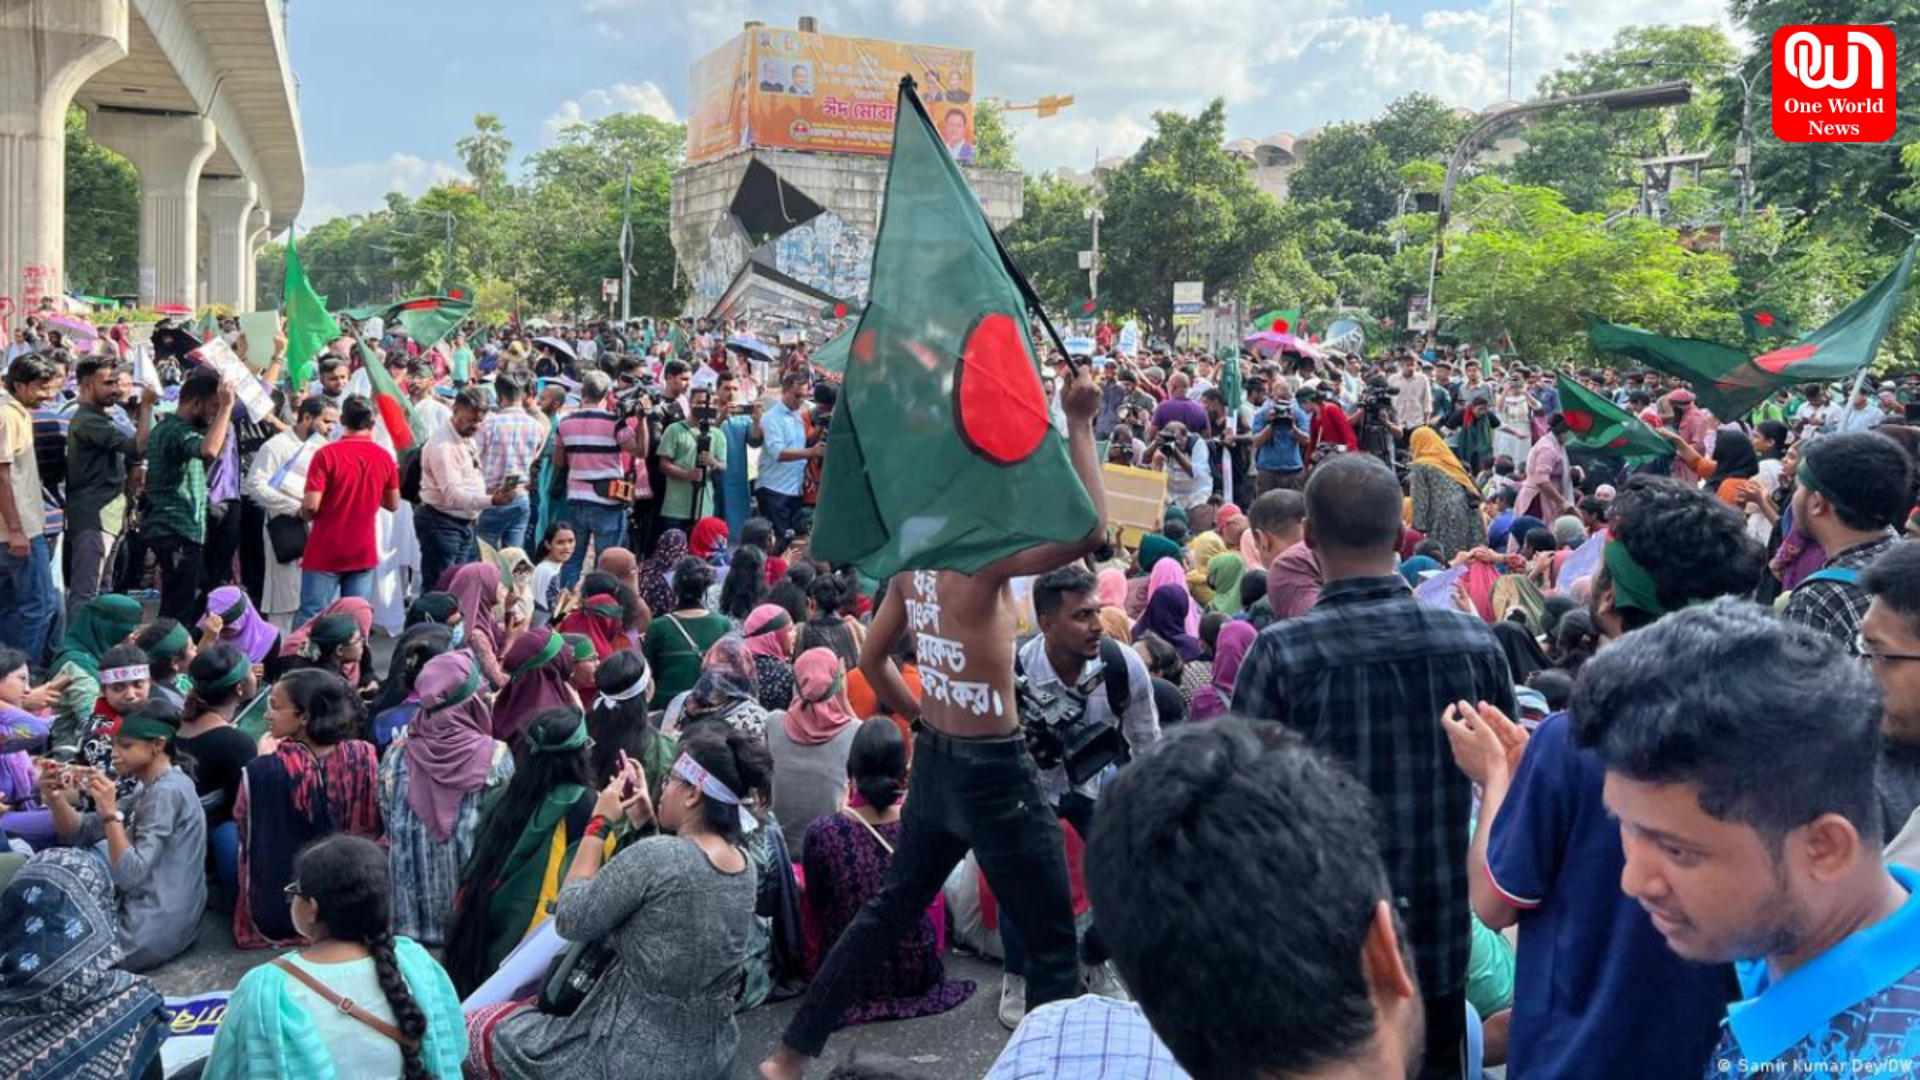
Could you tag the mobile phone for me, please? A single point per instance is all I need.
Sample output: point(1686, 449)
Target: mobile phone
point(512, 480)
point(626, 769)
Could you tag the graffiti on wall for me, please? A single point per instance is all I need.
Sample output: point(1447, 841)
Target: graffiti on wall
point(826, 254)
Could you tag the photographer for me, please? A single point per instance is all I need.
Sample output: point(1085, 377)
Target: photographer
point(692, 457)
point(1280, 436)
point(1070, 678)
point(1185, 459)
point(1379, 433)
point(593, 443)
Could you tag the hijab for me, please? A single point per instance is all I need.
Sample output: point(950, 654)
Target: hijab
point(1431, 450)
point(709, 539)
point(1205, 547)
point(1172, 572)
point(820, 710)
point(1111, 589)
point(1733, 458)
point(1524, 655)
point(602, 620)
point(354, 608)
point(1224, 572)
point(765, 632)
point(449, 745)
point(655, 589)
point(433, 607)
point(1154, 548)
point(476, 590)
point(1229, 651)
point(726, 678)
point(104, 622)
point(398, 687)
point(621, 564)
point(1167, 610)
point(1411, 569)
point(539, 670)
point(241, 625)
point(1115, 624)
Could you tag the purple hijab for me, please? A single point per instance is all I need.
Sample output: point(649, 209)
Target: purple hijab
point(1166, 615)
point(1229, 651)
point(450, 742)
point(539, 668)
point(241, 625)
point(476, 588)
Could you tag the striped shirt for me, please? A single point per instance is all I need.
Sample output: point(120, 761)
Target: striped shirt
point(508, 442)
point(591, 440)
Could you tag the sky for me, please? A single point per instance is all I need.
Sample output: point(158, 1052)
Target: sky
point(386, 88)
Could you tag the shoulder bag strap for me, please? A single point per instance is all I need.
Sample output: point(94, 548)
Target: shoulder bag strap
point(345, 1005)
point(849, 812)
point(684, 636)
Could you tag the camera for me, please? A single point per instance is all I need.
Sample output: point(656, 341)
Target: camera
point(1059, 733)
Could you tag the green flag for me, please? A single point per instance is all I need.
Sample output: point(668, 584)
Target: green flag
point(1232, 393)
point(1708, 366)
point(1766, 322)
point(941, 454)
point(1848, 342)
point(427, 319)
point(679, 340)
point(309, 326)
point(1602, 426)
point(831, 357)
point(1264, 321)
point(391, 403)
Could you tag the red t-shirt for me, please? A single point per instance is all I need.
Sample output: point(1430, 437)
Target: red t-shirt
point(352, 477)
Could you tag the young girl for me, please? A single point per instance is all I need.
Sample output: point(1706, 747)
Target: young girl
point(222, 681)
point(156, 842)
point(22, 732)
point(554, 551)
point(124, 684)
point(170, 650)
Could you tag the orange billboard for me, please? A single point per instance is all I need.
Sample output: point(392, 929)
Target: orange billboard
point(791, 90)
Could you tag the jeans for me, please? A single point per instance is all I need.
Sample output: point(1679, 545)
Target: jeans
point(982, 794)
point(318, 588)
point(1268, 480)
point(784, 511)
point(183, 574)
point(505, 526)
point(444, 542)
point(602, 527)
point(27, 598)
point(92, 562)
point(1077, 810)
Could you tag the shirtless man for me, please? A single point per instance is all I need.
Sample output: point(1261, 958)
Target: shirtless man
point(974, 785)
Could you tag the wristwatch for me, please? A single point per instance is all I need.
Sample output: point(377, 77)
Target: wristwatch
point(118, 816)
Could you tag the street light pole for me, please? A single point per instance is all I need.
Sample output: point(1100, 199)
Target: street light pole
point(626, 252)
point(1093, 268)
point(1659, 95)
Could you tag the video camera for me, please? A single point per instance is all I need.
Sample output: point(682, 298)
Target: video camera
point(1060, 734)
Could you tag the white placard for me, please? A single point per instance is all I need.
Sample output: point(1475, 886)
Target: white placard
point(233, 371)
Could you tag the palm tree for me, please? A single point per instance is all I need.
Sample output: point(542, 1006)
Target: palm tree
point(485, 151)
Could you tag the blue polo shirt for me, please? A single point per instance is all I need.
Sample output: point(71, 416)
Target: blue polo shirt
point(1852, 1011)
point(1282, 453)
point(783, 429)
point(1597, 994)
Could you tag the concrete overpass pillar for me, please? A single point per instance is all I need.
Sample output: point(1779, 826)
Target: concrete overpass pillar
point(228, 206)
point(48, 50)
point(168, 151)
point(257, 236)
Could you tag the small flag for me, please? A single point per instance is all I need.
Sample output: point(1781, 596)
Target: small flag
point(428, 319)
point(1087, 308)
point(309, 327)
point(1767, 322)
point(1601, 426)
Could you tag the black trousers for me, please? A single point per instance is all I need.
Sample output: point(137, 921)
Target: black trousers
point(253, 548)
point(223, 542)
point(183, 574)
point(982, 794)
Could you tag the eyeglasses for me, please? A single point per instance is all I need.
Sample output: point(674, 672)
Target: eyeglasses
point(292, 890)
point(1864, 648)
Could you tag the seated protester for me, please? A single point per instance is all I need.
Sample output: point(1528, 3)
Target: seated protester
point(232, 618)
point(723, 696)
point(222, 681)
point(124, 681)
point(156, 841)
point(514, 866)
point(603, 612)
point(848, 854)
point(394, 707)
point(170, 649)
point(319, 780)
point(66, 1009)
point(768, 631)
point(586, 662)
point(23, 736)
point(540, 678)
point(1215, 699)
point(438, 608)
point(775, 959)
point(433, 780)
point(105, 621)
point(1167, 670)
point(358, 1001)
point(1722, 783)
point(676, 908)
point(336, 644)
point(745, 586)
point(1851, 495)
point(1255, 608)
point(619, 723)
point(677, 640)
point(828, 625)
point(708, 540)
point(1235, 816)
point(866, 700)
point(809, 742)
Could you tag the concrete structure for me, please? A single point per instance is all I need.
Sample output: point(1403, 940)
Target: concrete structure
point(781, 233)
point(197, 94)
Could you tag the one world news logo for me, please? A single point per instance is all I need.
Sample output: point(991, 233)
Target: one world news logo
point(1833, 83)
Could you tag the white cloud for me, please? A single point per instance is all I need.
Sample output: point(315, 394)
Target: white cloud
point(333, 190)
point(645, 98)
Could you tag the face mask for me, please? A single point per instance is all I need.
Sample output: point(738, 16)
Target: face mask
point(459, 634)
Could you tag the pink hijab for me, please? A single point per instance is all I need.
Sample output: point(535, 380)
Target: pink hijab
point(1229, 651)
point(820, 710)
point(1112, 590)
point(1174, 572)
point(762, 641)
point(449, 744)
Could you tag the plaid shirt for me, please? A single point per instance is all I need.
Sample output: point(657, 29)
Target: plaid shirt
point(1365, 675)
point(1835, 608)
point(1086, 1038)
point(508, 442)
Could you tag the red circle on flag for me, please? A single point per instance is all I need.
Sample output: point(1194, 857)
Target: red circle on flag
point(998, 404)
point(1764, 318)
point(1779, 360)
point(1280, 326)
point(1578, 422)
point(839, 311)
point(862, 347)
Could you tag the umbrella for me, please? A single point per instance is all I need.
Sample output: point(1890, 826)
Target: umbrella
point(1268, 342)
point(753, 347)
point(83, 334)
point(174, 309)
point(173, 342)
point(536, 324)
point(557, 345)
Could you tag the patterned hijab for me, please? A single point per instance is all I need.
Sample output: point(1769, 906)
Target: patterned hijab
point(709, 538)
point(655, 589)
point(64, 1009)
point(726, 678)
point(450, 742)
point(103, 623)
point(241, 625)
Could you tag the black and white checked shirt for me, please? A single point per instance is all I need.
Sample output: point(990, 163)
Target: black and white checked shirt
point(1835, 608)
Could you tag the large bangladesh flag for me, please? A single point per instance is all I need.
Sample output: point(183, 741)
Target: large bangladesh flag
point(1708, 365)
point(426, 319)
point(1603, 427)
point(941, 455)
point(392, 405)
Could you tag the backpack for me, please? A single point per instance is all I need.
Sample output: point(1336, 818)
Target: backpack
point(1839, 575)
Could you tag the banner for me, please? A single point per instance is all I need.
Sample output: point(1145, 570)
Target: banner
point(790, 90)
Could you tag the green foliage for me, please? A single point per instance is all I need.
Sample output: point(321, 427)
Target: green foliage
point(1360, 165)
point(992, 139)
point(103, 216)
point(1047, 240)
point(485, 152)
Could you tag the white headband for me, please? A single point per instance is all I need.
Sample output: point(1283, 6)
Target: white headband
point(116, 675)
point(640, 686)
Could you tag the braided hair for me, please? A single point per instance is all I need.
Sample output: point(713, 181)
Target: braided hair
point(349, 881)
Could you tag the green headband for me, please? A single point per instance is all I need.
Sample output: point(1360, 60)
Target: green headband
point(839, 681)
point(146, 727)
point(574, 741)
point(583, 648)
point(1633, 587)
point(230, 678)
point(554, 644)
point(232, 614)
point(774, 625)
point(173, 644)
point(466, 690)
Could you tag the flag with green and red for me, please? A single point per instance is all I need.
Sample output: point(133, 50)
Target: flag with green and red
point(942, 455)
point(1603, 427)
point(404, 429)
point(427, 319)
point(1766, 322)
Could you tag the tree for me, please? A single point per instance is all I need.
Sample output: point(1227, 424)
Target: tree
point(1418, 127)
point(1047, 240)
point(1348, 166)
point(992, 141)
point(485, 151)
point(103, 215)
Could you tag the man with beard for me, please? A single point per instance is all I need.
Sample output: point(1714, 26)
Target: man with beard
point(1751, 833)
point(1890, 640)
point(100, 454)
point(1546, 855)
